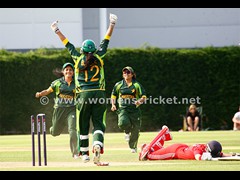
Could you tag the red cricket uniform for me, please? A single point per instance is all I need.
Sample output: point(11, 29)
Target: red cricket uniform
point(177, 151)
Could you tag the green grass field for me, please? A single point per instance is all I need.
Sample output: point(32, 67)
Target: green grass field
point(16, 155)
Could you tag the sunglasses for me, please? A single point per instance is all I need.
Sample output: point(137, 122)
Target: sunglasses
point(126, 72)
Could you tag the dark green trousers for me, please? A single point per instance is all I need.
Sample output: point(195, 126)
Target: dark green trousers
point(91, 106)
point(63, 116)
point(129, 120)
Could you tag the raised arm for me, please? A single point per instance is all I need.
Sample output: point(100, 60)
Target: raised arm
point(55, 28)
point(113, 19)
point(71, 48)
point(104, 44)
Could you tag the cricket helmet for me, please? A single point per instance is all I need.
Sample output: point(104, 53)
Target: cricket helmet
point(215, 148)
point(88, 46)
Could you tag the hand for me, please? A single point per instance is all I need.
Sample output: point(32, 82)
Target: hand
point(206, 156)
point(37, 95)
point(54, 26)
point(113, 108)
point(113, 18)
point(138, 102)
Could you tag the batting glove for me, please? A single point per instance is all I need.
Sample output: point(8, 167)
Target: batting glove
point(206, 156)
point(54, 26)
point(113, 18)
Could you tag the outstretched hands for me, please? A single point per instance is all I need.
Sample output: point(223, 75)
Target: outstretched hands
point(54, 26)
point(113, 18)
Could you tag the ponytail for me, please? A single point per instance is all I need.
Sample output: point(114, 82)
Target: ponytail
point(90, 61)
point(58, 72)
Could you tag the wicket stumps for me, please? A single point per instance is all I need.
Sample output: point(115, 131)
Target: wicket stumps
point(39, 117)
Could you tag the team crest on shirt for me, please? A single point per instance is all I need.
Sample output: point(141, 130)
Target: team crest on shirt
point(133, 90)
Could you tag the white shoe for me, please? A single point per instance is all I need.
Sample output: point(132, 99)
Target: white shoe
point(85, 158)
point(133, 150)
point(96, 151)
point(127, 137)
point(75, 156)
point(164, 126)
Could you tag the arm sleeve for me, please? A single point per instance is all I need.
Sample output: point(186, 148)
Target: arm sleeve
point(53, 86)
point(71, 49)
point(142, 92)
point(50, 89)
point(114, 93)
point(102, 50)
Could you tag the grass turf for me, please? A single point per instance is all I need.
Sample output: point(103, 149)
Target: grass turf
point(16, 153)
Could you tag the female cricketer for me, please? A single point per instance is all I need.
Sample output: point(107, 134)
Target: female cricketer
point(156, 151)
point(64, 108)
point(128, 94)
point(90, 89)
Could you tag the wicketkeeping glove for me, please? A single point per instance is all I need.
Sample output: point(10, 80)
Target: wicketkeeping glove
point(206, 156)
point(113, 18)
point(54, 26)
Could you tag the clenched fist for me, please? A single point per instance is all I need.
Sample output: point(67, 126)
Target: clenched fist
point(113, 18)
point(54, 26)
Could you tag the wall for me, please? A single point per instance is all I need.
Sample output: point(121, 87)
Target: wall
point(29, 28)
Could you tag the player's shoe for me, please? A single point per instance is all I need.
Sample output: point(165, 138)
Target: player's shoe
point(167, 135)
point(96, 151)
point(76, 156)
point(85, 158)
point(133, 150)
point(164, 126)
point(127, 137)
point(143, 153)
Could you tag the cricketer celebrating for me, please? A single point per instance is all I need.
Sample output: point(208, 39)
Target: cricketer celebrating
point(64, 107)
point(90, 85)
point(156, 151)
point(129, 94)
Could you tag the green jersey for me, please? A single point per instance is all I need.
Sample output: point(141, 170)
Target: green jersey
point(91, 78)
point(65, 93)
point(127, 95)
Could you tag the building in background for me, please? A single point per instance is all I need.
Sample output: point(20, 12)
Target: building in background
point(29, 28)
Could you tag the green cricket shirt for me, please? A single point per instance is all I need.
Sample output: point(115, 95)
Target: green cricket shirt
point(93, 77)
point(127, 95)
point(65, 93)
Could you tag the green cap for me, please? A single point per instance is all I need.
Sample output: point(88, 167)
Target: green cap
point(67, 64)
point(128, 68)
